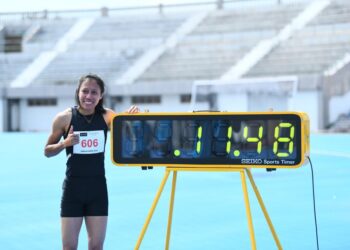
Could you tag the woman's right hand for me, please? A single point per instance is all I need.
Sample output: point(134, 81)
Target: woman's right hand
point(71, 139)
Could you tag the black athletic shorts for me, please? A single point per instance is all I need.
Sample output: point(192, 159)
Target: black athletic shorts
point(84, 196)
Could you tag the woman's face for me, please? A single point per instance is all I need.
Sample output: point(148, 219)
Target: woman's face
point(89, 95)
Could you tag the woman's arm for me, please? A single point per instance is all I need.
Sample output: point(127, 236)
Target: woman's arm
point(110, 114)
point(60, 124)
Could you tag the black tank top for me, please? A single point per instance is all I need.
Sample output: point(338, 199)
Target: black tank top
point(86, 159)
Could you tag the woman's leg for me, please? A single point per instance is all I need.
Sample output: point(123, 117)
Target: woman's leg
point(96, 227)
point(70, 227)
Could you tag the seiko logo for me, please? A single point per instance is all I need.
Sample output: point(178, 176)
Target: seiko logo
point(251, 161)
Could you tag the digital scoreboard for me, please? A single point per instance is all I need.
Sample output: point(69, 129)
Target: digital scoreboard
point(212, 139)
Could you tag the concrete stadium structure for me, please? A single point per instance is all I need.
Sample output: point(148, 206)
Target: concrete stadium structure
point(153, 57)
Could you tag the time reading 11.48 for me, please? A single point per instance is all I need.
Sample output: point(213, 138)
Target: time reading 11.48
point(214, 139)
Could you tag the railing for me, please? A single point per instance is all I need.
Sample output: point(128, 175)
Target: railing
point(160, 8)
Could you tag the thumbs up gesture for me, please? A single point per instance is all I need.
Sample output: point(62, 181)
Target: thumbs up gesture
point(71, 131)
point(72, 138)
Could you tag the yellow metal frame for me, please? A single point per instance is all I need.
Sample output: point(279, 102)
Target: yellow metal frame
point(243, 172)
point(305, 137)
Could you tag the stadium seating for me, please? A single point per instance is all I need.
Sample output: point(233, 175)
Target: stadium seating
point(108, 48)
point(218, 43)
point(45, 37)
point(313, 49)
point(126, 48)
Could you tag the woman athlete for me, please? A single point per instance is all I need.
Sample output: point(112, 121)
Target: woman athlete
point(84, 130)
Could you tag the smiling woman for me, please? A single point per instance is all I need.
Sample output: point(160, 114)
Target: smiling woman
point(89, 95)
point(84, 129)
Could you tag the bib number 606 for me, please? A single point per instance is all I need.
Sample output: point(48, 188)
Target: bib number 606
point(89, 143)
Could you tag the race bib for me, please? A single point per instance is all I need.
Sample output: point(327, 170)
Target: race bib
point(90, 142)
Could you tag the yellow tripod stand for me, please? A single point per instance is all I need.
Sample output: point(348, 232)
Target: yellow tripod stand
point(243, 172)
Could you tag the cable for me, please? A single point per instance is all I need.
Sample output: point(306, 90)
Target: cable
point(313, 195)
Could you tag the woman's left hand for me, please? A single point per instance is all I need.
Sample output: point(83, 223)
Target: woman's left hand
point(133, 110)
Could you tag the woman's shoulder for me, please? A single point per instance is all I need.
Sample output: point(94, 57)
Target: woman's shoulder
point(109, 111)
point(67, 113)
point(64, 117)
point(62, 120)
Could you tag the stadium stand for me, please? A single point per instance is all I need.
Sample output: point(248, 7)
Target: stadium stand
point(218, 42)
point(313, 49)
point(341, 125)
point(108, 48)
point(33, 37)
point(115, 44)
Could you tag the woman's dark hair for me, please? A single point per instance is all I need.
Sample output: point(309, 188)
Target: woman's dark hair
point(99, 107)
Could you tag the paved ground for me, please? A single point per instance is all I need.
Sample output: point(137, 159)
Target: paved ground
point(209, 208)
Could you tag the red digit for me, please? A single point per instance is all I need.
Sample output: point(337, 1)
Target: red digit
point(89, 143)
point(83, 143)
point(95, 142)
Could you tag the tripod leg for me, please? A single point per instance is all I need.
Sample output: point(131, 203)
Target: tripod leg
point(247, 208)
point(171, 208)
point(151, 211)
point(263, 208)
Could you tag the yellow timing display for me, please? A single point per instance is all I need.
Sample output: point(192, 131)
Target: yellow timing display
point(213, 139)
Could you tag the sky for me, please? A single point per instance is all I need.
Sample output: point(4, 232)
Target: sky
point(38, 5)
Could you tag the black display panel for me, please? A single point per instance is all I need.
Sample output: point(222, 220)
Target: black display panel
point(205, 140)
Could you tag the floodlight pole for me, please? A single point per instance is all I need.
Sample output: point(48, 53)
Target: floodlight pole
point(243, 172)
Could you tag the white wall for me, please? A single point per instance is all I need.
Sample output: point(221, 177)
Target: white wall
point(40, 118)
point(243, 102)
point(233, 102)
point(172, 103)
point(264, 102)
point(311, 103)
point(339, 105)
point(121, 107)
point(169, 103)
